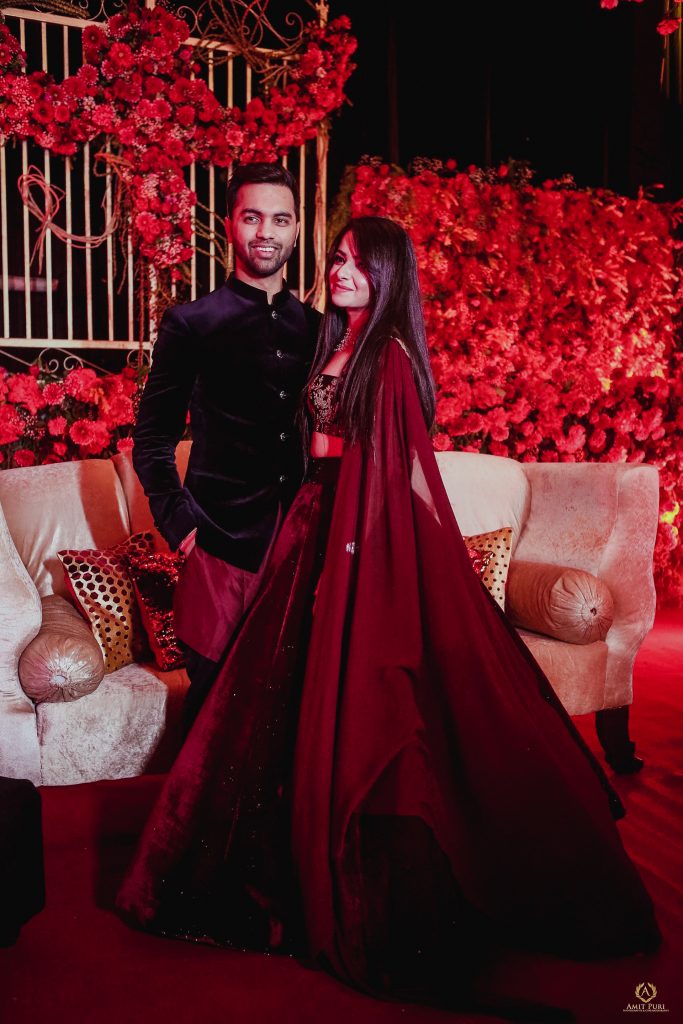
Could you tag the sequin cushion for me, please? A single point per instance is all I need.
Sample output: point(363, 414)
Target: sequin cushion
point(154, 577)
point(494, 569)
point(101, 586)
point(480, 560)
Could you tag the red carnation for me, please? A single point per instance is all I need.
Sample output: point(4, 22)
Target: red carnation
point(153, 85)
point(82, 385)
point(91, 436)
point(121, 56)
point(42, 111)
point(117, 411)
point(81, 431)
point(118, 25)
point(442, 443)
point(56, 426)
point(185, 115)
point(24, 390)
point(148, 226)
point(11, 424)
point(94, 41)
point(24, 457)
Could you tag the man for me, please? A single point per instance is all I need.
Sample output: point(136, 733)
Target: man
point(238, 359)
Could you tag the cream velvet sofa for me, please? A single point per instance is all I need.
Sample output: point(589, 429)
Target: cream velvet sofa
point(599, 518)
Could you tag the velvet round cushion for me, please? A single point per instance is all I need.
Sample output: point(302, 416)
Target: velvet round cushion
point(568, 604)
point(64, 660)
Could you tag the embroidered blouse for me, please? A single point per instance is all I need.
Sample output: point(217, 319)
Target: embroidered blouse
point(323, 403)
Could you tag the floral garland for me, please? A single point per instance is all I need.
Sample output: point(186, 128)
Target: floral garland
point(137, 89)
point(45, 418)
point(552, 316)
point(665, 27)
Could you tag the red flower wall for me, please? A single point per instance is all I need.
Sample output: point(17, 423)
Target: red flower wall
point(552, 315)
point(44, 419)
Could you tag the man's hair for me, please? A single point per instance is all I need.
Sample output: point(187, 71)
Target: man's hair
point(261, 174)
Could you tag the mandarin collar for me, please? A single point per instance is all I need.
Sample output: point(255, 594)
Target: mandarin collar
point(257, 294)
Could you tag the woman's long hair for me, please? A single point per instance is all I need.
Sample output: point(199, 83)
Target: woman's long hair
point(395, 312)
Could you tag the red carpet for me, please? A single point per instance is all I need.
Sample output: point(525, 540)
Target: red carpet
point(77, 962)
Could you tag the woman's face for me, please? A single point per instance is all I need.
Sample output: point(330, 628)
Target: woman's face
point(349, 281)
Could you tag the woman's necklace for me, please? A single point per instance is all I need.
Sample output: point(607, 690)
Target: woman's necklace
point(344, 343)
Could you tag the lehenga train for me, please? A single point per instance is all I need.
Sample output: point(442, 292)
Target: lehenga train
point(381, 776)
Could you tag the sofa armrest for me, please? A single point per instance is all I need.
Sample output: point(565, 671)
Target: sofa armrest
point(20, 618)
point(600, 517)
point(568, 604)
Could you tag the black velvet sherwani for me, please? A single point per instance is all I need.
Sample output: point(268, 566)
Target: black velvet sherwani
point(239, 365)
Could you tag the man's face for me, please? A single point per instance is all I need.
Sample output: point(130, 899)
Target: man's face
point(263, 229)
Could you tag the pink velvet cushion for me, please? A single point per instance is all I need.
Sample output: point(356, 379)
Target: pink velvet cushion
point(64, 661)
point(568, 604)
point(154, 576)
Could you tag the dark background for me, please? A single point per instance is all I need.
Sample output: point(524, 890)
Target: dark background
point(562, 84)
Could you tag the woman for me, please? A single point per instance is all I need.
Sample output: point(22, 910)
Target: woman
point(381, 775)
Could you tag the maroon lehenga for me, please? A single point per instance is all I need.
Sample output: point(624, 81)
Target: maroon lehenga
point(381, 777)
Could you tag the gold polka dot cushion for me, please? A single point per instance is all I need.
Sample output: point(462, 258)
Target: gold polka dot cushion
point(100, 583)
point(494, 570)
